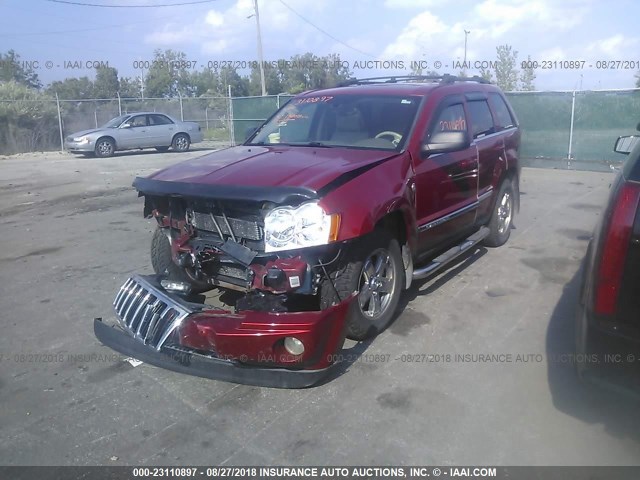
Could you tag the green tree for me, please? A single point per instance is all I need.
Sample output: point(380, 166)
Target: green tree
point(239, 85)
point(72, 88)
point(130, 87)
point(506, 72)
point(106, 84)
point(416, 71)
point(168, 75)
point(527, 76)
point(12, 68)
point(206, 82)
point(29, 121)
point(272, 80)
point(308, 71)
point(486, 74)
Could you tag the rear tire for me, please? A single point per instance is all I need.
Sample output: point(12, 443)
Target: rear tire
point(376, 272)
point(502, 216)
point(181, 142)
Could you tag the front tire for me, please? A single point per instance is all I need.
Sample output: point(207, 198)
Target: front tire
point(502, 216)
point(181, 142)
point(163, 264)
point(105, 147)
point(376, 273)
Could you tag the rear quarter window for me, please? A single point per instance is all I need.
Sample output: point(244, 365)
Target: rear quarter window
point(480, 118)
point(504, 119)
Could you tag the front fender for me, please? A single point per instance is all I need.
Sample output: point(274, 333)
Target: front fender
point(365, 200)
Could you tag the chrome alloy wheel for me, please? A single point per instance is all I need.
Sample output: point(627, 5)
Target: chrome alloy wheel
point(377, 284)
point(105, 148)
point(505, 208)
point(182, 143)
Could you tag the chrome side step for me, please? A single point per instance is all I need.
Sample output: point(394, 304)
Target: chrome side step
point(454, 252)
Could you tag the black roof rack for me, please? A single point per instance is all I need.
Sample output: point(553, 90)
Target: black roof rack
point(443, 79)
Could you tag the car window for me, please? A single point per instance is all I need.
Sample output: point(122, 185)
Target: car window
point(503, 115)
point(451, 119)
point(294, 127)
point(115, 122)
point(159, 120)
point(137, 121)
point(480, 118)
point(351, 120)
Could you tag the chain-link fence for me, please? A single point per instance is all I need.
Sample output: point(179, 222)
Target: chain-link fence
point(575, 129)
point(33, 125)
point(211, 113)
point(559, 129)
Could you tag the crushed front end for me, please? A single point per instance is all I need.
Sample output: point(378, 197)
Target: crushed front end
point(274, 327)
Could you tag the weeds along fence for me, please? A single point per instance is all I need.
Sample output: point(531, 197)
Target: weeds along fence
point(562, 129)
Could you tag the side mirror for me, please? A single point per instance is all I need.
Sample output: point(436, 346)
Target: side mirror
point(442, 142)
point(126, 125)
point(625, 144)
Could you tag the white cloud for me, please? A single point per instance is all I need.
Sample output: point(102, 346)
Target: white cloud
point(614, 47)
point(422, 35)
point(214, 18)
point(523, 24)
point(224, 31)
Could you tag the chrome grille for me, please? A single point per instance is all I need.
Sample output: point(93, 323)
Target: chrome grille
point(147, 313)
point(241, 228)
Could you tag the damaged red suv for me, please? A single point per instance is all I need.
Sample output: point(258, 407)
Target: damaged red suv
point(315, 225)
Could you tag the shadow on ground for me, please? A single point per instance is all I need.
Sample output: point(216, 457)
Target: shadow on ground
point(404, 320)
point(612, 405)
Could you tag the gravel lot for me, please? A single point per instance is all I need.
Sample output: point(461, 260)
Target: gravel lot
point(72, 231)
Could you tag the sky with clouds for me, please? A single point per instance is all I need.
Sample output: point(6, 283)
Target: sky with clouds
point(396, 31)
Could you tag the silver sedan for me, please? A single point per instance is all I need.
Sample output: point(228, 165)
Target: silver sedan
point(135, 130)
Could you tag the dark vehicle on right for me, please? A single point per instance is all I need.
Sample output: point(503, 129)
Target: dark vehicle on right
point(608, 317)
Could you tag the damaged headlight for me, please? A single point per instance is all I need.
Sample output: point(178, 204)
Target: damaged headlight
point(286, 228)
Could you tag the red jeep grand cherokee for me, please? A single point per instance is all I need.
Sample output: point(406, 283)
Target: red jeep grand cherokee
point(318, 222)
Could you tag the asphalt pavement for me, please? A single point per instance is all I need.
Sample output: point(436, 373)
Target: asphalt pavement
point(476, 369)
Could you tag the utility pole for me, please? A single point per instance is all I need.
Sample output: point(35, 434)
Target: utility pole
point(141, 83)
point(260, 59)
point(464, 62)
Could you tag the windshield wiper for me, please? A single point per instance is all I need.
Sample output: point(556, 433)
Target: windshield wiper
point(314, 144)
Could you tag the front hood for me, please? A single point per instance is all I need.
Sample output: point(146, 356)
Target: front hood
point(245, 169)
point(82, 133)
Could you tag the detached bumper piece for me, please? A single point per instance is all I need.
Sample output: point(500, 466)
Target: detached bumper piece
point(206, 367)
point(249, 347)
